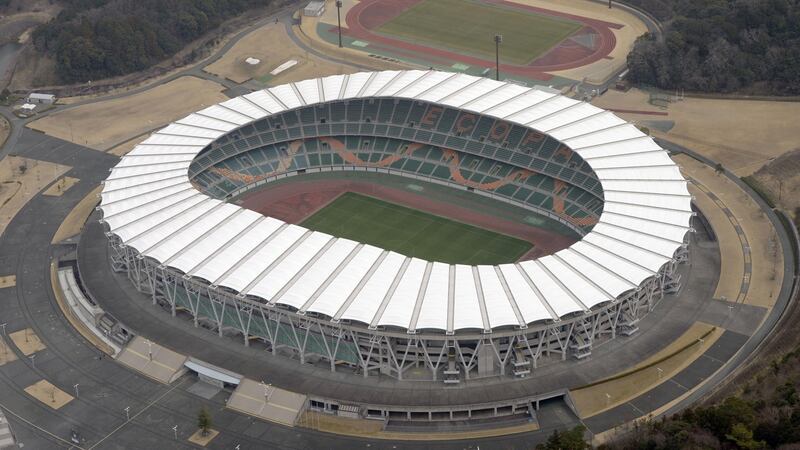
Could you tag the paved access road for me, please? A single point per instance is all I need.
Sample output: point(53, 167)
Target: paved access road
point(105, 387)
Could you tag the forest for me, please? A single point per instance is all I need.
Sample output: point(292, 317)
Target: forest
point(726, 46)
point(765, 413)
point(95, 39)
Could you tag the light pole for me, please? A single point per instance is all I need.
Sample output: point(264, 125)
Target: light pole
point(175, 429)
point(3, 326)
point(150, 350)
point(267, 387)
point(339, 19)
point(128, 413)
point(76, 389)
point(498, 39)
point(33, 362)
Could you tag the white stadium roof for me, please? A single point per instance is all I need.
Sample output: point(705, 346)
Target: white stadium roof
point(148, 202)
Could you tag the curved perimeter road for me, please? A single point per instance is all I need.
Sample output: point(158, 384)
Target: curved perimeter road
point(783, 305)
point(106, 388)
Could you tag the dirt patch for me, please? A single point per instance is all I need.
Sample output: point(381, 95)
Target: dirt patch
point(47, 393)
point(374, 429)
point(779, 180)
point(8, 281)
point(199, 439)
point(61, 186)
point(74, 221)
point(6, 354)
point(294, 202)
point(5, 130)
point(27, 341)
point(280, 49)
point(20, 180)
point(106, 124)
point(741, 134)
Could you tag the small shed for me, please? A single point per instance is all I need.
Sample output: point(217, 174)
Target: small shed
point(40, 99)
point(314, 9)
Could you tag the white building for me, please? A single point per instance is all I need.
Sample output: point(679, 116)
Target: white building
point(40, 99)
point(314, 9)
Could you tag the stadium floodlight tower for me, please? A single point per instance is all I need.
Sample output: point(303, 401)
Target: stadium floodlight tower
point(339, 19)
point(498, 39)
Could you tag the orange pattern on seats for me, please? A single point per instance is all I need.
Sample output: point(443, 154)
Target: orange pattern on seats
point(284, 163)
point(351, 157)
point(559, 193)
point(450, 157)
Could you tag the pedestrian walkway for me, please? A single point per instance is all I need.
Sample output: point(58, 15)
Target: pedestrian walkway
point(6, 437)
point(153, 360)
point(752, 258)
point(267, 402)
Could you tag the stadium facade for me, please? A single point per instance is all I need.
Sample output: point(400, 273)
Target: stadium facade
point(317, 298)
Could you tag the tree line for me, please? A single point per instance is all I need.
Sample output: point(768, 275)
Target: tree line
point(95, 39)
point(746, 46)
point(765, 413)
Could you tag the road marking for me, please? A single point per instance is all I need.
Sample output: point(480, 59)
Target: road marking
point(137, 414)
point(744, 287)
point(31, 424)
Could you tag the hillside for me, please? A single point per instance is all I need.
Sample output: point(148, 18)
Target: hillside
point(750, 47)
point(96, 39)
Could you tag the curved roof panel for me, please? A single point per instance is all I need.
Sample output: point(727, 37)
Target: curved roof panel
point(149, 204)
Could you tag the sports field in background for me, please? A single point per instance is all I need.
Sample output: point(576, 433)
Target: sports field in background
point(469, 26)
point(413, 233)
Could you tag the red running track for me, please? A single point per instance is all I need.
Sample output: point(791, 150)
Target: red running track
point(293, 202)
point(367, 15)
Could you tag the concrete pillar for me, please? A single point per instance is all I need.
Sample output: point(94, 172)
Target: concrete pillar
point(386, 369)
point(486, 361)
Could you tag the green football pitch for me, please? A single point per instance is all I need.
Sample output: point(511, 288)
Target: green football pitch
point(413, 233)
point(469, 26)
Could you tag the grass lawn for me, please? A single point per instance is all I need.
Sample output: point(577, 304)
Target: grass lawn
point(414, 233)
point(469, 26)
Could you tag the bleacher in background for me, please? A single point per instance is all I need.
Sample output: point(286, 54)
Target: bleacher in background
point(522, 185)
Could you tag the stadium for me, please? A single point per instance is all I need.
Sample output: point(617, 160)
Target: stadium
point(468, 303)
